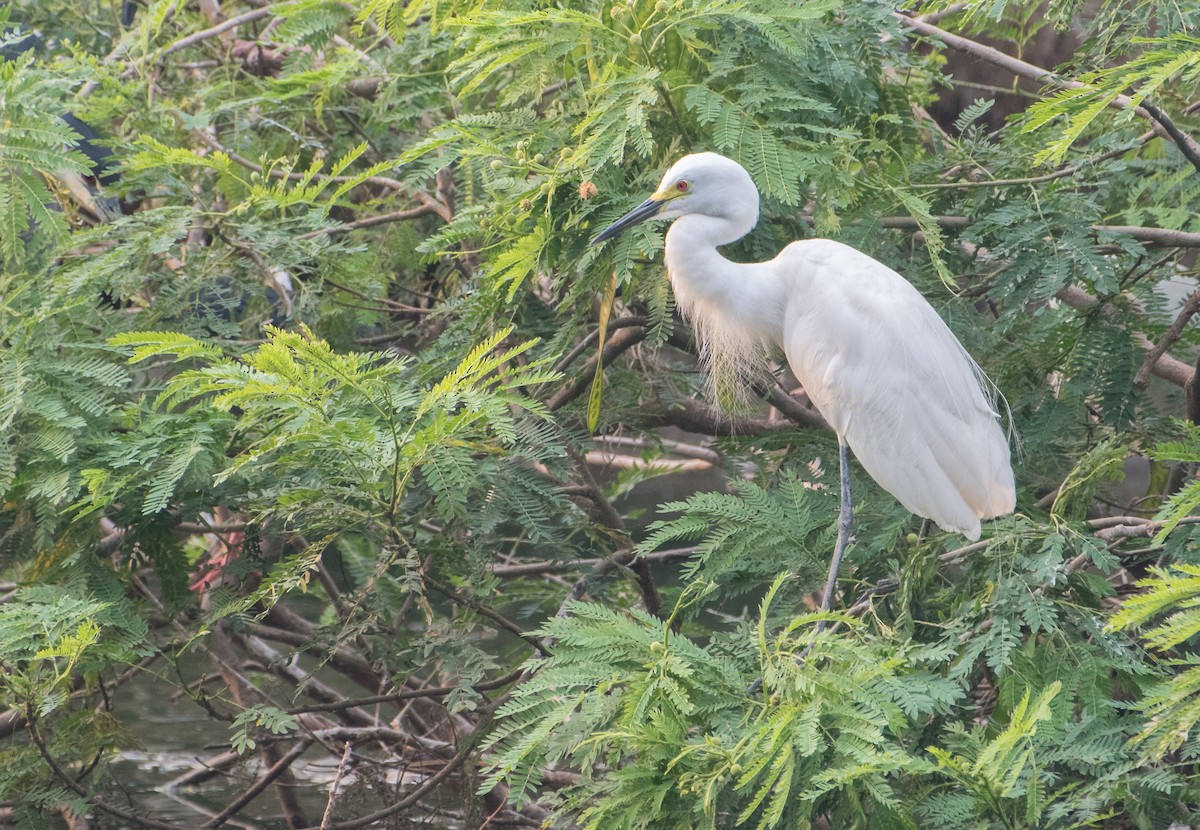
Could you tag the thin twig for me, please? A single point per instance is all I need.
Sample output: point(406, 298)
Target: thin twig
point(333, 788)
point(407, 694)
point(482, 609)
point(371, 221)
point(212, 31)
point(592, 337)
point(1166, 367)
point(540, 568)
point(74, 786)
point(620, 342)
point(429, 783)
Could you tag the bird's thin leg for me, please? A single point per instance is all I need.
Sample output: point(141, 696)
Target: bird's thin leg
point(845, 515)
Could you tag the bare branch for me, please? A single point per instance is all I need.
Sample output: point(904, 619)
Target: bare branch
point(277, 769)
point(333, 788)
point(407, 694)
point(371, 221)
point(1161, 123)
point(539, 568)
point(1165, 367)
point(428, 784)
point(480, 608)
point(212, 31)
point(1190, 307)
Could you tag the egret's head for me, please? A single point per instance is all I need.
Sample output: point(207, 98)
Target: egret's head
point(707, 184)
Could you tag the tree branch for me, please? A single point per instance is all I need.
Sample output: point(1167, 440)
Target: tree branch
point(277, 769)
point(1190, 307)
point(1165, 367)
point(371, 221)
point(407, 694)
point(426, 785)
point(1160, 122)
point(482, 609)
point(539, 568)
point(212, 31)
point(74, 786)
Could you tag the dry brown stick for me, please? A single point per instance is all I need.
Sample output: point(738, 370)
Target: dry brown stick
point(1190, 307)
point(1061, 173)
point(592, 337)
point(209, 768)
point(539, 568)
point(1186, 144)
point(793, 409)
point(205, 34)
point(1161, 123)
point(482, 609)
point(429, 783)
point(1165, 237)
point(333, 788)
point(291, 628)
point(1106, 528)
point(211, 527)
point(941, 14)
point(407, 694)
point(386, 304)
point(304, 680)
point(696, 416)
point(381, 734)
point(626, 557)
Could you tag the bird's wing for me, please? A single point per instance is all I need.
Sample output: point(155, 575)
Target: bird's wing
point(889, 375)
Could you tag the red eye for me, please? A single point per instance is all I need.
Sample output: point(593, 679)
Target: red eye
point(681, 186)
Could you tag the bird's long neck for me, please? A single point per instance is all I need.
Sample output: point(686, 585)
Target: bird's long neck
point(737, 309)
point(710, 288)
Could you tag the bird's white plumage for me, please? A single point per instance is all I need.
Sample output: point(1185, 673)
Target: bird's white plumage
point(888, 374)
point(874, 357)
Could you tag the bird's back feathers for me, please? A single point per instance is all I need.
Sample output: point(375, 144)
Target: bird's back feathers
point(888, 374)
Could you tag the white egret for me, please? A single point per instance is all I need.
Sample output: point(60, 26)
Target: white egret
point(876, 360)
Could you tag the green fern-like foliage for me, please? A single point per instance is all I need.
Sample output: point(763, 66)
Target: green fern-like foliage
point(334, 442)
point(1160, 60)
point(750, 534)
point(1169, 608)
point(332, 358)
point(36, 146)
point(674, 723)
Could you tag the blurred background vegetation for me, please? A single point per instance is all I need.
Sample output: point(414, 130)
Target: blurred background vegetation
point(326, 502)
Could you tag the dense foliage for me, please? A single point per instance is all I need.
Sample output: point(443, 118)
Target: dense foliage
point(322, 410)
